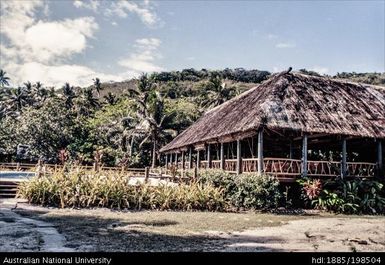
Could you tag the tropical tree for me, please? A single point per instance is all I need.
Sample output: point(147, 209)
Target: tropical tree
point(110, 98)
point(97, 85)
point(153, 123)
point(40, 93)
point(4, 80)
point(216, 92)
point(89, 100)
point(18, 98)
point(69, 95)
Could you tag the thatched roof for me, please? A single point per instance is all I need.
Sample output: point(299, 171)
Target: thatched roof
point(293, 101)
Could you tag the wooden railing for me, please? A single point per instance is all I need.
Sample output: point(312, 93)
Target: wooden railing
point(250, 165)
point(282, 166)
point(361, 169)
point(216, 164)
point(204, 164)
point(324, 168)
point(231, 165)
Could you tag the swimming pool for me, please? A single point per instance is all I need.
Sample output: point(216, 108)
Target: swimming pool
point(16, 174)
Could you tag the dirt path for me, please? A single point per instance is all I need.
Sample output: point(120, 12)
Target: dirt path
point(322, 234)
point(24, 234)
point(33, 228)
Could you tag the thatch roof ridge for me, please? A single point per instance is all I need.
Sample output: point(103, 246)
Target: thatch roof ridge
point(344, 81)
point(293, 101)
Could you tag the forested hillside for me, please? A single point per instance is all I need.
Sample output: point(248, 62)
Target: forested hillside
point(119, 123)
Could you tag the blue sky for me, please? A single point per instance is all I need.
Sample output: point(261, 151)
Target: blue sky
point(58, 41)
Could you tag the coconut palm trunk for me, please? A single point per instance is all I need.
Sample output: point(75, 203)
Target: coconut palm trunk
point(154, 152)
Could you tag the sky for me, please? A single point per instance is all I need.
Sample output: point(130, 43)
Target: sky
point(58, 41)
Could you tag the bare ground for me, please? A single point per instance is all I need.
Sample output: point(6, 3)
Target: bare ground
point(110, 230)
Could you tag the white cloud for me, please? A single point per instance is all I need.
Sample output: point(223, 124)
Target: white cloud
point(319, 69)
point(190, 58)
point(90, 4)
point(113, 23)
point(37, 50)
point(123, 7)
point(57, 75)
point(272, 36)
point(283, 45)
point(143, 59)
point(48, 41)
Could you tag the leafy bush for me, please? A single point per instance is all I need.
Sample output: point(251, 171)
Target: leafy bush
point(249, 191)
point(256, 191)
point(107, 189)
point(354, 196)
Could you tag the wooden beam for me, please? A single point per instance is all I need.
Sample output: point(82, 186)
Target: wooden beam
point(304, 155)
point(313, 136)
point(291, 150)
point(209, 156)
point(222, 156)
point(239, 158)
point(260, 151)
point(183, 160)
point(198, 159)
point(343, 162)
point(380, 159)
point(176, 159)
point(190, 158)
point(166, 160)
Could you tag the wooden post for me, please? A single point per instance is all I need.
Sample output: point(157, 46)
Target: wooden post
point(222, 156)
point(176, 160)
point(380, 159)
point(190, 158)
point(166, 160)
point(208, 156)
point(260, 151)
point(239, 159)
point(291, 150)
point(146, 174)
point(198, 159)
point(343, 162)
point(183, 160)
point(304, 155)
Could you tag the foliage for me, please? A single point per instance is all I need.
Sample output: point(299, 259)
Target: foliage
point(129, 121)
point(79, 188)
point(248, 191)
point(311, 188)
point(356, 196)
point(256, 191)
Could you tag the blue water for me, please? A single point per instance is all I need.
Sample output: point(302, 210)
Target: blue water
point(16, 174)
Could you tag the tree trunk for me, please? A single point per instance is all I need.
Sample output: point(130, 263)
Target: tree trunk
point(154, 154)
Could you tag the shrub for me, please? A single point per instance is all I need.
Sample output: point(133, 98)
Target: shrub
point(111, 189)
point(354, 196)
point(249, 191)
point(220, 179)
point(256, 192)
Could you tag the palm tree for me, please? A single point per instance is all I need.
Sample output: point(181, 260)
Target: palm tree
point(17, 99)
point(154, 125)
point(110, 98)
point(40, 93)
point(97, 85)
point(89, 99)
point(3, 78)
point(69, 95)
point(216, 92)
point(88, 102)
